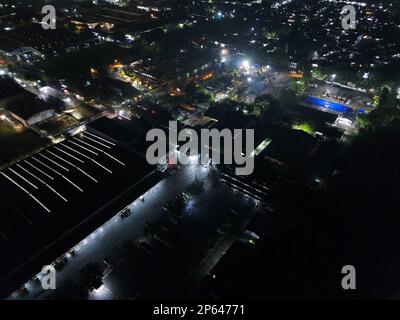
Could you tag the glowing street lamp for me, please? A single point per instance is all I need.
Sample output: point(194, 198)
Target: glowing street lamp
point(246, 64)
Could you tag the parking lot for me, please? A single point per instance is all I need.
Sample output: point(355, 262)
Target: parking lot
point(52, 192)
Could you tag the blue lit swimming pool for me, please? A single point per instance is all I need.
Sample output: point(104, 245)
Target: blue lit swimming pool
point(328, 104)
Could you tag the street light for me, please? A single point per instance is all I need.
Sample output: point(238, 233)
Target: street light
point(246, 64)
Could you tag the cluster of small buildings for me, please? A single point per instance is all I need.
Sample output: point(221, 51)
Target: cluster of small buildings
point(22, 105)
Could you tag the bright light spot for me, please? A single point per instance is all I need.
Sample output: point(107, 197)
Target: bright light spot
point(46, 90)
point(99, 289)
point(246, 64)
point(68, 101)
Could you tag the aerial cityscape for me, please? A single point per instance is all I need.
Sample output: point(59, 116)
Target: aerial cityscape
point(199, 149)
